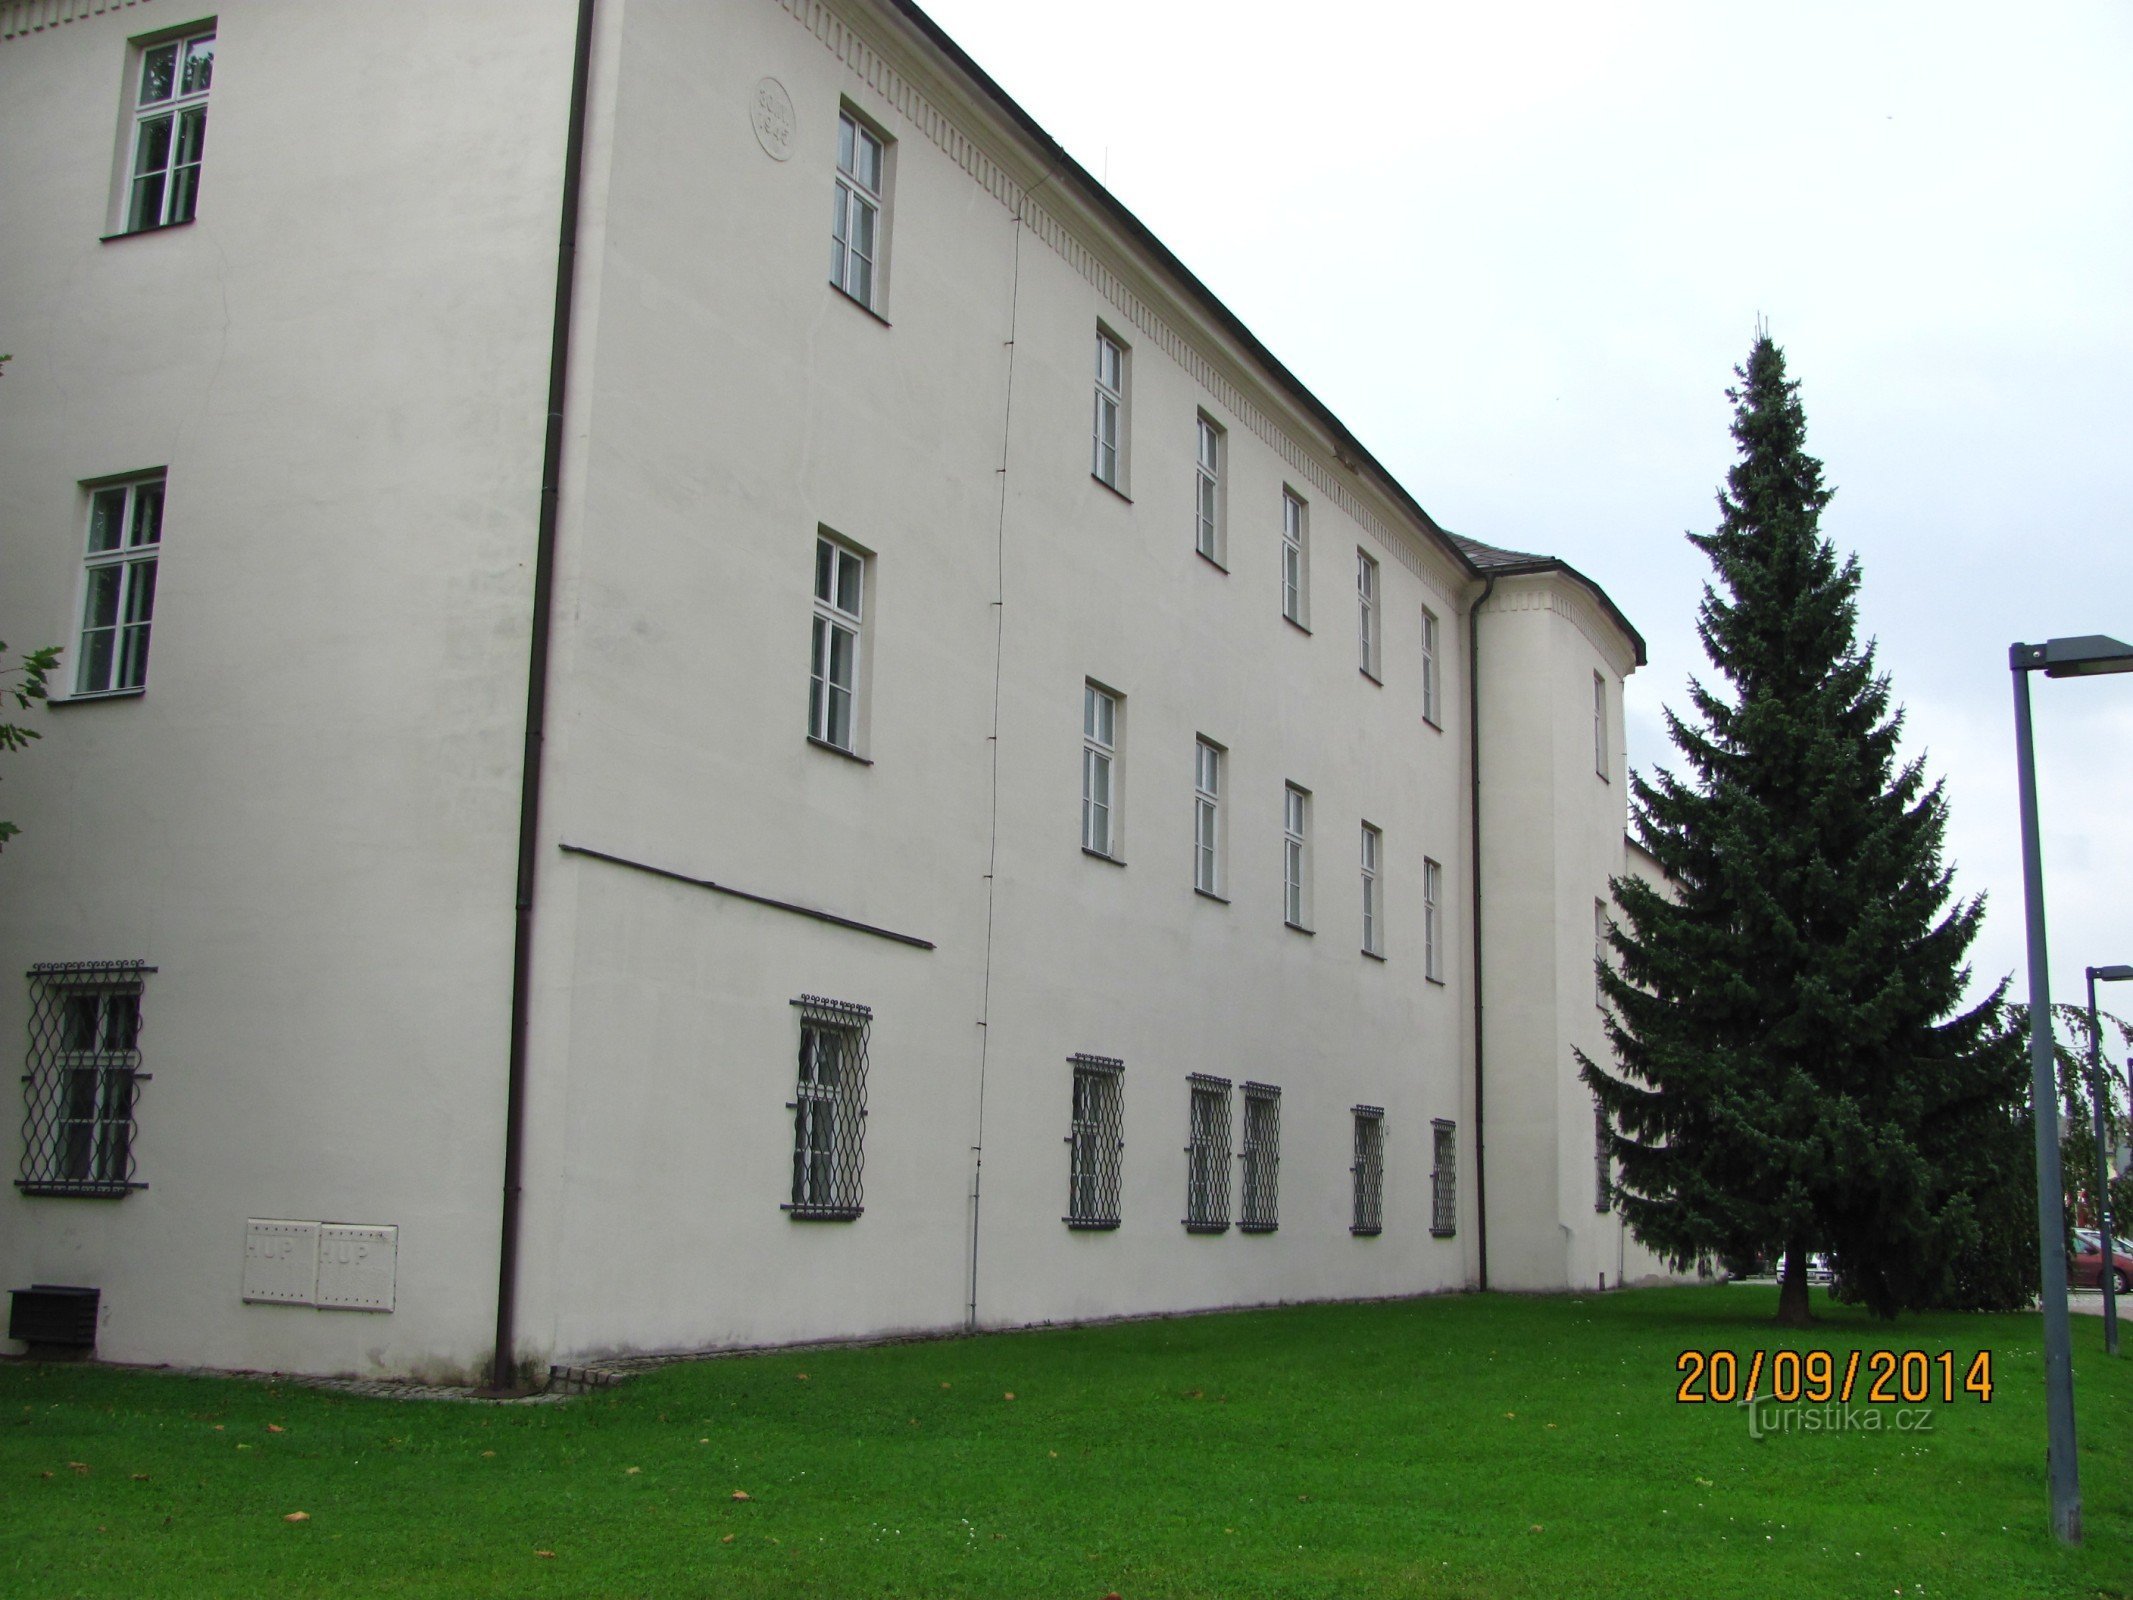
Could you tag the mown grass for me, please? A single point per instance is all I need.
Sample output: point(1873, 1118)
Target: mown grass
point(1461, 1446)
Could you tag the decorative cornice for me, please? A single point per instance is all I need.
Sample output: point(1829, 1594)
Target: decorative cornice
point(1558, 592)
point(34, 16)
point(892, 86)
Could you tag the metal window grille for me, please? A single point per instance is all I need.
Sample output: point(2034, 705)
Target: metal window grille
point(84, 1073)
point(1096, 1144)
point(1369, 1171)
point(829, 1108)
point(1444, 1181)
point(1261, 1155)
point(1207, 1155)
point(1603, 1188)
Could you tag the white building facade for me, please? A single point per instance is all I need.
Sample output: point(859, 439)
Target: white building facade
point(846, 754)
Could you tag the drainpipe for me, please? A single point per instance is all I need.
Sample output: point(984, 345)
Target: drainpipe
point(1473, 724)
point(502, 1365)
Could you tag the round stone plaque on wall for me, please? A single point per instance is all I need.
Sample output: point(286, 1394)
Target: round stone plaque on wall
point(771, 113)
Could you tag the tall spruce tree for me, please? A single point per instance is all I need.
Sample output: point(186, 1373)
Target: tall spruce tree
point(1797, 1071)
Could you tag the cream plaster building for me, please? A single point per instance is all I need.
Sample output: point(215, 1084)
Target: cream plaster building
point(844, 753)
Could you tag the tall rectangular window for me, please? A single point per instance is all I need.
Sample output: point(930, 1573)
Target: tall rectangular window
point(1367, 1172)
point(1099, 771)
point(855, 218)
point(1295, 856)
point(1432, 921)
point(1429, 667)
point(829, 1108)
point(169, 132)
point(1373, 892)
point(1295, 559)
point(1207, 1154)
point(1599, 953)
point(1444, 1180)
point(119, 586)
point(1366, 594)
point(1207, 492)
point(1096, 1142)
point(1603, 1188)
point(1108, 460)
point(1599, 725)
point(84, 1071)
point(1260, 1210)
point(833, 673)
point(1207, 816)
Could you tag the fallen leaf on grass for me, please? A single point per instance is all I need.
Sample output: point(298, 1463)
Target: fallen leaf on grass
point(1536, 1527)
point(801, 1376)
point(944, 1386)
point(742, 1494)
point(297, 1516)
point(140, 1477)
point(631, 1472)
point(545, 1555)
point(44, 1474)
point(727, 1540)
point(80, 1467)
point(1009, 1395)
point(487, 1453)
point(275, 1427)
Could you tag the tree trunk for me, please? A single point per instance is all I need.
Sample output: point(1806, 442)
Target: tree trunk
point(1792, 1293)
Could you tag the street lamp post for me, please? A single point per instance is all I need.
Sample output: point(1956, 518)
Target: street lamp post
point(2108, 1273)
point(2056, 658)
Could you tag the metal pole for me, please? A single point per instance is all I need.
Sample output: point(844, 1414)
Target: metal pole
point(2064, 1472)
point(2109, 1271)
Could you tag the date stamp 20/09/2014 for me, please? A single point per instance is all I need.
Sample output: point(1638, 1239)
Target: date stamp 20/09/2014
point(1820, 1377)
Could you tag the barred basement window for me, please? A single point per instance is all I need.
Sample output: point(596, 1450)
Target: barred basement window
point(1603, 1187)
point(829, 1108)
point(1260, 1212)
point(1097, 1144)
point(1207, 1156)
point(1444, 1181)
point(1369, 1171)
point(84, 1071)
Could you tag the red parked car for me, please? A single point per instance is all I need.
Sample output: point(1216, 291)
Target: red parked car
point(2084, 1268)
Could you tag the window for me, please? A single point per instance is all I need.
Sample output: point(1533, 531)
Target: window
point(1367, 1216)
point(1108, 461)
point(1099, 771)
point(829, 1108)
point(855, 221)
point(1603, 1188)
point(1207, 1155)
point(119, 588)
point(1432, 923)
point(84, 1071)
point(169, 132)
point(833, 676)
point(1096, 1144)
point(1295, 856)
point(1429, 667)
point(1295, 568)
point(1599, 953)
point(1260, 1211)
point(1444, 1180)
point(1599, 724)
point(1207, 493)
point(1366, 594)
point(1207, 817)
point(1373, 910)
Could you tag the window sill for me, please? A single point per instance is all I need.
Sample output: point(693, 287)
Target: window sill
point(1297, 927)
point(1372, 676)
point(1091, 1224)
point(852, 299)
point(1375, 955)
point(1366, 1233)
point(1430, 977)
point(1209, 894)
point(1443, 1233)
point(63, 1190)
point(839, 750)
point(1207, 1227)
point(1298, 626)
point(1114, 488)
point(1432, 723)
point(822, 1213)
point(1098, 855)
point(135, 233)
point(58, 700)
point(1210, 560)
point(1257, 1227)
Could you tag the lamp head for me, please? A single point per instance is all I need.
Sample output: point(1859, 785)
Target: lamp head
point(2119, 974)
point(2090, 655)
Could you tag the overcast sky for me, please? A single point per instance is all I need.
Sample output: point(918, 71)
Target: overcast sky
point(1518, 249)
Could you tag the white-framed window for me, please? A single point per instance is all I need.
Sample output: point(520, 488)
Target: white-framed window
point(1096, 1142)
point(1295, 559)
point(1207, 817)
point(1099, 771)
point(1444, 1179)
point(1599, 724)
point(1108, 445)
point(1208, 530)
point(1373, 892)
point(833, 685)
point(1295, 856)
point(1432, 921)
point(1599, 953)
point(1207, 1154)
point(1259, 1209)
point(169, 130)
point(855, 218)
point(1429, 668)
point(84, 1073)
point(1367, 1172)
point(119, 586)
point(1366, 596)
point(829, 1108)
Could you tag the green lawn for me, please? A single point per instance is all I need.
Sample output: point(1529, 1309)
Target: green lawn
point(1468, 1445)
